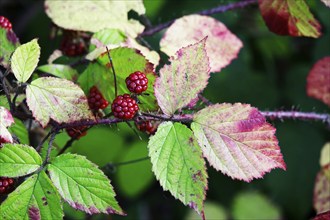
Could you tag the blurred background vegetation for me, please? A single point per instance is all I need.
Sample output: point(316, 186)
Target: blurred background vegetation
point(269, 73)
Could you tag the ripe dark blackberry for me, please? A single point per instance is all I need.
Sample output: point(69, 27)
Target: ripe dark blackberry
point(5, 23)
point(150, 127)
point(73, 44)
point(137, 82)
point(6, 184)
point(124, 107)
point(96, 100)
point(76, 132)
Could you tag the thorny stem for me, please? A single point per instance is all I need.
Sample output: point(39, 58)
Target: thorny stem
point(219, 9)
point(50, 145)
point(43, 141)
point(113, 71)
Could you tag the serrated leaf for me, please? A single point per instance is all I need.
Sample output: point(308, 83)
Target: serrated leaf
point(178, 164)
point(9, 42)
point(35, 198)
point(318, 79)
point(18, 160)
point(6, 119)
point(125, 61)
point(181, 81)
point(59, 70)
point(57, 99)
point(237, 140)
point(221, 46)
point(83, 185)
point(19, 129)
point(289, 17)
point(25, 60)
point(71, 15)
point(321, 198)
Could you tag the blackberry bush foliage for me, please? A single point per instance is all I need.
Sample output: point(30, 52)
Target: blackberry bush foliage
point(113, 67)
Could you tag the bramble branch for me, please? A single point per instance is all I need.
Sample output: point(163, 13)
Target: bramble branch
point(219, 9)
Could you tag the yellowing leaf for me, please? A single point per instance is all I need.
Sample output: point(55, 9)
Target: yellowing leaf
point(221, 46)
point(181, 81)
point(25, 60)
point(318, 81)
point(237, 140)
point(6, 119)
point(57, 99)
point(95, 15)
point(289, 17)
point(322, 190)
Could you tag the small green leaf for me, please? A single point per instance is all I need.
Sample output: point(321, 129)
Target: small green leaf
point(59, 70)
point(18, 160)
point(83, 185)
point(101, 14)
point(19, 129)
point(125, 61)
point(35, 198)
point(9, 42)
point(25, 60)
point(178, 164)
point(57, 99)
point(181, 81)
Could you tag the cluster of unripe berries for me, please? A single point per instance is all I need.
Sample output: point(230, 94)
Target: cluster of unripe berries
point(73, 44)
point(5, 23)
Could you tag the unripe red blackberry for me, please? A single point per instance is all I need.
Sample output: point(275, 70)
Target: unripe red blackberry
point(73, 44)
point(137, 82)
point(76, 132)
point(124, 107)
point(150, 127)
point(6, 184)
point(5, 23)
point(96, 100)
point(2, 141)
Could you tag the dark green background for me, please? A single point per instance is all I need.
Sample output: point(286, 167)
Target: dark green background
point(269, 73)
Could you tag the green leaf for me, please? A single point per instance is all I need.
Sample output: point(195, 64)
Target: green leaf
point(57, 99)
point(9, 42)
point(105, 37)
point(35, 198)
point(83, 185)
point(134, 180)
point(101, 14)
point(253, 205)
point(59, 70)
point(289, 17)
point(178, 164)
point(125, 61)
point(6, 120)
point(237, 140)
point(181, 81)
point(18, 160)
point(19, 129)
point(212, 210)
point(25, 60)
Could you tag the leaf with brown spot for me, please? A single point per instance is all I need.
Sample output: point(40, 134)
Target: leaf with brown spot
point(57, 99)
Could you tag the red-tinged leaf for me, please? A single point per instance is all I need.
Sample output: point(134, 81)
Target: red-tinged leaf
point(6, 119)
point(181, 81)
point(323, 216)
point(318, 81)
point(289, 17)
point(57, 99)
point(237, 140)
point(221, 46)
point(322, 190)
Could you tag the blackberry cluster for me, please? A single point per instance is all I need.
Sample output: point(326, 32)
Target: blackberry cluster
point(5, 23)
point(73, 44)
point(76, 132)
point(96, 100)
point(124, 107)
point(137, 82)
point(150, 127)
point(6, 184)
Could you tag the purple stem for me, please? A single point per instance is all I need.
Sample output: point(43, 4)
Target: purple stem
point(219, 9)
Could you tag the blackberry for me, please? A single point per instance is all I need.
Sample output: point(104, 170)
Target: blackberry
point(73, 44)
point(137, 82)
point(76, 132)
point(96, 100)
point(124, 107)
point(6, 184)
point(150, 127)
point(5, 23)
